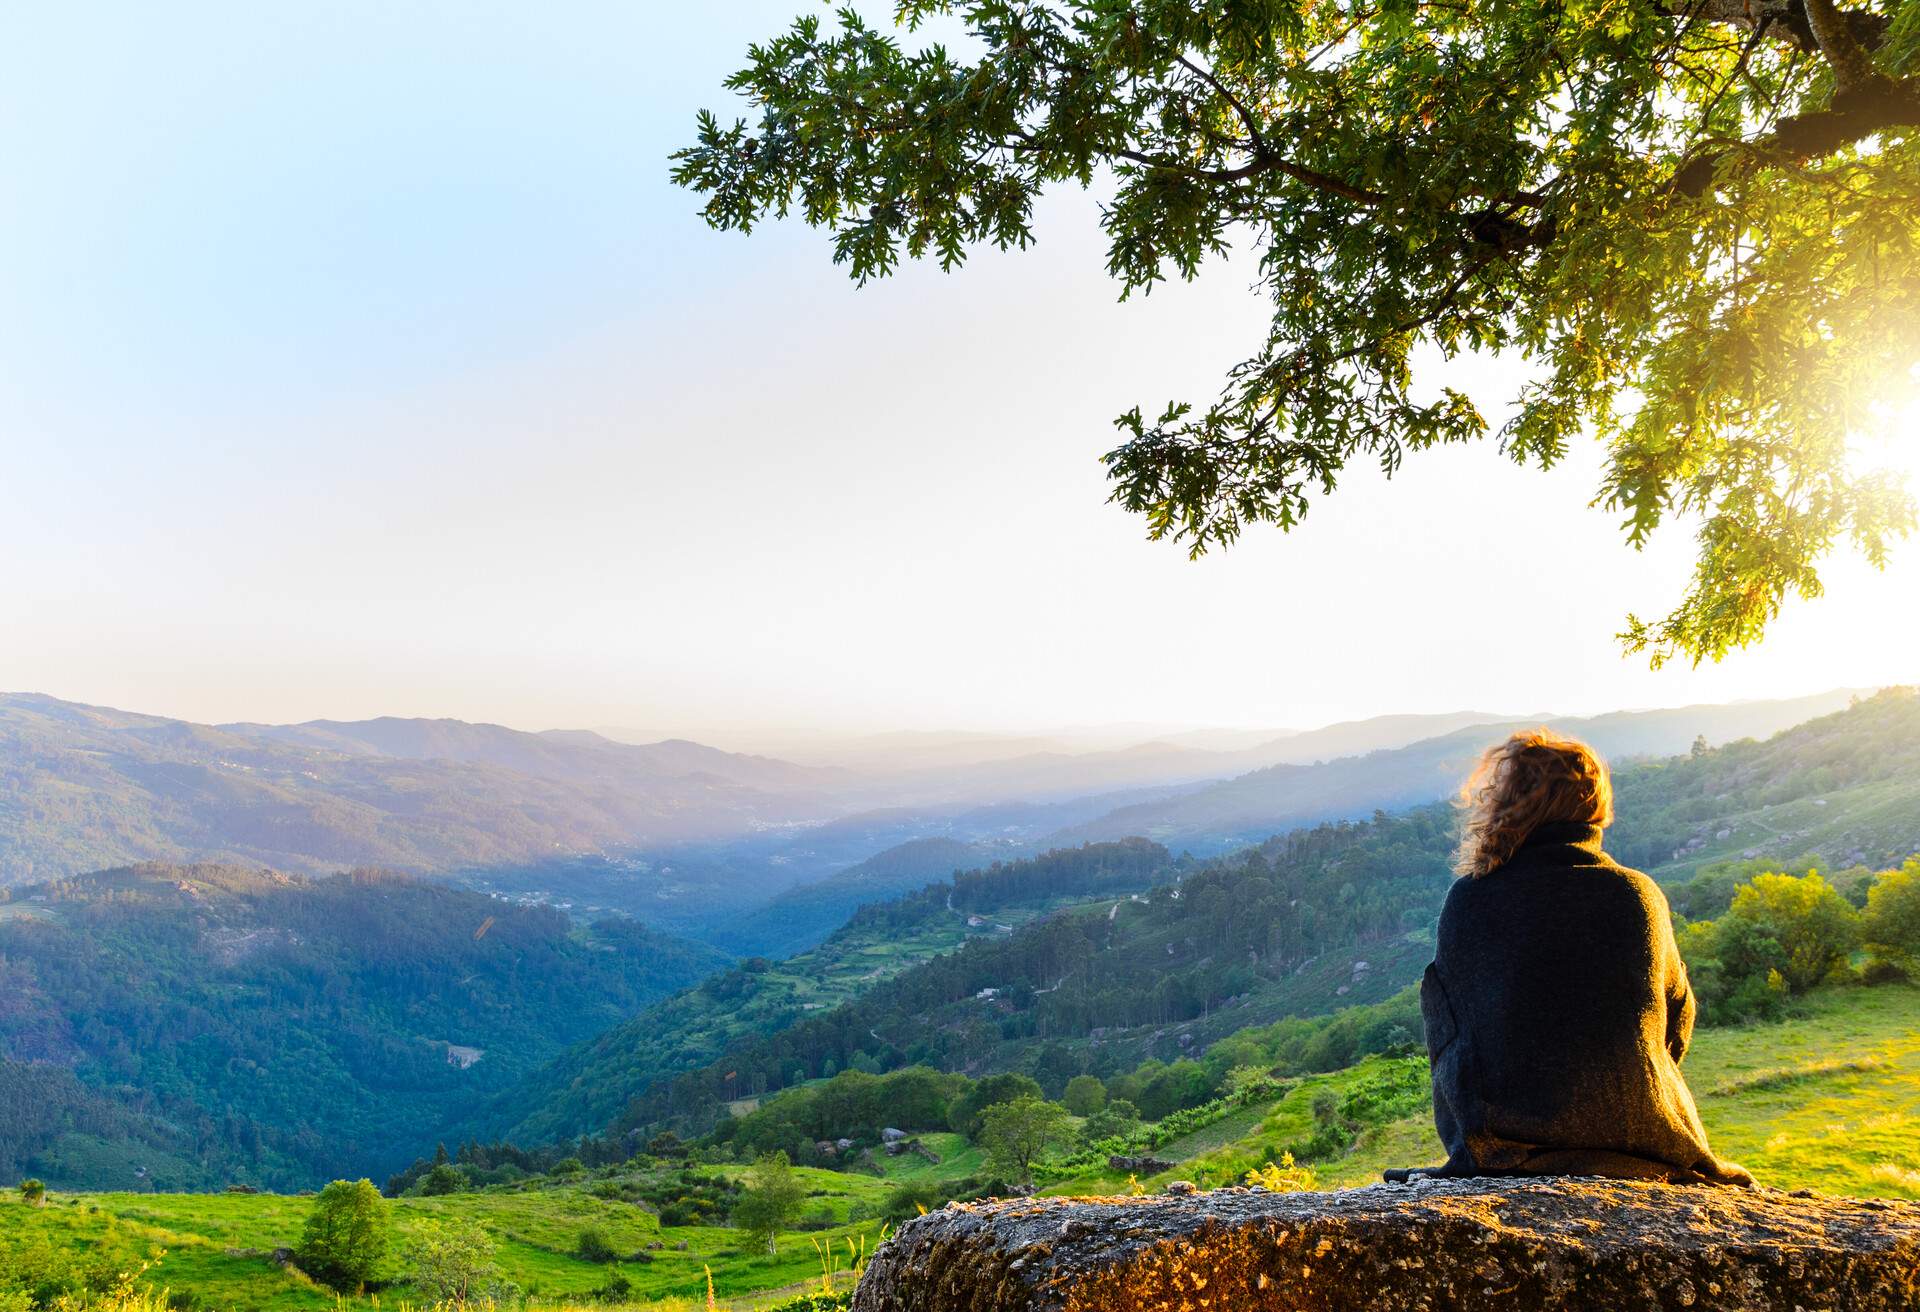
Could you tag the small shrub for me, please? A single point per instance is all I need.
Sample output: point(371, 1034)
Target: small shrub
point(836, 1302)
point(442, 1180)
point(683, 1212)
point(1879, 971)
point(1758, 997)
point(616, 1288)
point(593, 1246)
point(1330, 1142)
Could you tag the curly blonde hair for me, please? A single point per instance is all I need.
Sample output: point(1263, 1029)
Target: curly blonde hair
point(1533, 778)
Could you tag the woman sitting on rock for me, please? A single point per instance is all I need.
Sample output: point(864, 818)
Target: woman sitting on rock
point(1557, 1008)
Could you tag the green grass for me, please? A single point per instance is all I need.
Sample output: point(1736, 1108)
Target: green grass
point(1875, 818)
point(1827, 1100)
point(219, 1246)
point(958, 1159)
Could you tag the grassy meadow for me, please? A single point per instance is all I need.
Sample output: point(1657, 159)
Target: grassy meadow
point(1828, 1099)
point(217, 1249)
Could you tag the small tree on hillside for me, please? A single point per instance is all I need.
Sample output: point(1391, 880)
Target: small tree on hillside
point(1813, 925)
point(1892, 924)
point(594, 1246)
point(964, 1115)
point(1019, 1133)
point(451, 1261)
point(345, 1236)
point(770, 1201)
point(443, 1179)
point(1118, 1117)
point(33, 1193)
point(1085, 1095)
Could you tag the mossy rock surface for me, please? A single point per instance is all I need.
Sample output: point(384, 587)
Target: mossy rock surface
point(1430, 1246)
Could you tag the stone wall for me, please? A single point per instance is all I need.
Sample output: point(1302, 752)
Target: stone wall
point(1431, 1246)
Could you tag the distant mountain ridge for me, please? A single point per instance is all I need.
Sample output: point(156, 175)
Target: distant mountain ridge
point(1255, 805)
point(932, 769)
point(86, 787)
point(565, 754)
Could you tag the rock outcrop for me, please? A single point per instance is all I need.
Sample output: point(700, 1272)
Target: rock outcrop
point(1430, 1246)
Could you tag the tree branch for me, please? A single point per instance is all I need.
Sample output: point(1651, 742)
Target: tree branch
point(1856, 112)
point(1246, 115)
point(1852, 65)
point(1785, 20)
point(1267, 163)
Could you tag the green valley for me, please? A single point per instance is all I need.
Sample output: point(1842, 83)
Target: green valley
point(170, 1027)
point(581, 1092)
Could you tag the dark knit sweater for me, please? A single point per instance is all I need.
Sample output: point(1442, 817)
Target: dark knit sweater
point(1557, 1011)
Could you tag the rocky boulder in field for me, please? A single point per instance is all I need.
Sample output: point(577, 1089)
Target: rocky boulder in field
point(1430, 1246)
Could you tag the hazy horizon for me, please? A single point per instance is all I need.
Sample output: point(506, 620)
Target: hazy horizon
point(363, 362)
point(775, 738)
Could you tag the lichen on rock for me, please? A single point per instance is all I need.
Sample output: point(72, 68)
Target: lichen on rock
point(1428, 1246)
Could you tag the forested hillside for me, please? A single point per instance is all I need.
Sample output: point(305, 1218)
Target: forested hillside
point(169, 1026)
point(1843, 790)
point(584, 1089)
point(1232, 944)
point(1300, 925)
point(803, 916)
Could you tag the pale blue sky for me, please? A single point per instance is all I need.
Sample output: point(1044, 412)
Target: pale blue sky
point(359, 359)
